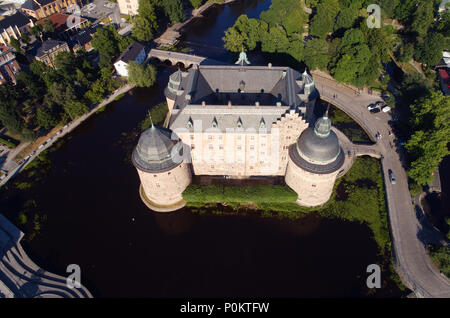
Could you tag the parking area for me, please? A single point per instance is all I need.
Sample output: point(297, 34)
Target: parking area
point(99, 9)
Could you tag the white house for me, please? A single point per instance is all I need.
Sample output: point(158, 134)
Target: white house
point(134, 52)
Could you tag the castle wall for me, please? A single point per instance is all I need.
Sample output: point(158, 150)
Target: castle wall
point(166, 188)
point(243, 153)
point(312, 189)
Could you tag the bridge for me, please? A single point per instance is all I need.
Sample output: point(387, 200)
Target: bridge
point(412, 261)
point(176, 58)
point(21, 278)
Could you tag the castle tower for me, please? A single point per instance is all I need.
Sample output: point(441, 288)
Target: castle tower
point(158, 158)
point(314, 162)
point(173, 89)
point(309, 87)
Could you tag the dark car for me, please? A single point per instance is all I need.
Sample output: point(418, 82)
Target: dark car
point(375, 110)
point(392, 177)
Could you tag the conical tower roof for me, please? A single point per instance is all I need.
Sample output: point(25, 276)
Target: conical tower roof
point(307, 79)
point(157, 150)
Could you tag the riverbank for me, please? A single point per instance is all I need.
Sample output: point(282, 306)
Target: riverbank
point(52, 138)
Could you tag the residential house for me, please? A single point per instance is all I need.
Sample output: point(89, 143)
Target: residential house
point(8, 65)
point(40, 9)
point(13, 26)
point(82, 40)
point(128, 7)
point(47, 51)
point(134, 52)
point(65, 24)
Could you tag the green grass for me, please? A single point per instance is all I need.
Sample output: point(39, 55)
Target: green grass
point(348, 126)
point(158, 113)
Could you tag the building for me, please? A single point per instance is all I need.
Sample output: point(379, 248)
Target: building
point(444, 80)
point(63, 26)
point(240, 122)
point(134, 52)
point(46, 53)
point(8, 65)
point(82, 40)
point(40, 9)
point(13, 26)
point(128, 7)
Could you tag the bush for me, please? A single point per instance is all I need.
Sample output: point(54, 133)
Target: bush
point(441, 257)
point(257, 194)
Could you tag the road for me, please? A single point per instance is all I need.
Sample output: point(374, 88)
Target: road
point(413, 263)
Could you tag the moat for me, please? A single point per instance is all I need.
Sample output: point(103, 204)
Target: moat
point(94, 217)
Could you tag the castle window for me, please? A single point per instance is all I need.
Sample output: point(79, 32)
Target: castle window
point(168, 173)
point(221, 147)
point(209, 137)
point(189, 123)
point(154, 175)
point(211, 146)
point(157, 185)
point(252, 147)
point(192, 136)
point(313, 185)
point(239, 147)
point(262, 123)
point(252, 138)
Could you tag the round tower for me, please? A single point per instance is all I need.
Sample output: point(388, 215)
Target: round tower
point(173, 89)
point(314, 162)
point(158, 158)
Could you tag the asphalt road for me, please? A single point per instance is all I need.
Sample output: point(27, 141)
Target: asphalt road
point(414, 265)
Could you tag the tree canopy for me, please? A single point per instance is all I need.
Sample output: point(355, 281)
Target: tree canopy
point(141, 75)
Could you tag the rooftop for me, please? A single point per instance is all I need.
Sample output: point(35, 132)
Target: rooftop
point(131, 52)
point(48, 45)
point(17, 18)
point(59, 20)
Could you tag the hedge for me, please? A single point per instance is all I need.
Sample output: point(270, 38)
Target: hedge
point(257, 194)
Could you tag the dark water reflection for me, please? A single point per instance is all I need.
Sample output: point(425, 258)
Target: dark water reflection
point(96, 219)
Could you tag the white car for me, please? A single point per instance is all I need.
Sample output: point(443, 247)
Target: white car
point(65, 126)
point(386, 109)
point(26, 158)
point(41, 146)
point(372, 106)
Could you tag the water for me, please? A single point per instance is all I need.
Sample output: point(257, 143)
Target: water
point(96, 219)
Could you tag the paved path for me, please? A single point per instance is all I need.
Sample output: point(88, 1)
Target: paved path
point(21, 277)
point(413, 263)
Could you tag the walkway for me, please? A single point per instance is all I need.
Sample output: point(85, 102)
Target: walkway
point(413, 263)
point(21, 278)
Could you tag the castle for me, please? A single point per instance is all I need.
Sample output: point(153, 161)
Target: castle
point(238, 121)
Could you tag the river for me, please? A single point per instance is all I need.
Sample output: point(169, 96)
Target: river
point(95, 218)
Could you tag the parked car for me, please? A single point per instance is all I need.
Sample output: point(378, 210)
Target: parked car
point(386, 109)
point(26, 158)
point(371, 106)
point(379, 104)
point(392, 177)
point(65, 126)
point(375, 110)
point(33, 152)
point(41, 146)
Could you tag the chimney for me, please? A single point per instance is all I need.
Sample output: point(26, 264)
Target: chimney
point(257, 104)
point(269, 65)
point(229, 104)
point(203, 103)
point(278, 104)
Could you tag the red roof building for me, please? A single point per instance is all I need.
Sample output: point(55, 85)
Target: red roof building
point(445, 81)
point(8, 65)
point(65, 22)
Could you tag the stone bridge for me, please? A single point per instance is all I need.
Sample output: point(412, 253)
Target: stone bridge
point(176, 58)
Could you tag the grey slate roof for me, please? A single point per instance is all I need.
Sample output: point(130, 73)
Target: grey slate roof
point(307, 79)
point(320, 144)
point(30, 5)
point(243, 86)
point(19, 19)
point(47, 46)
point(155, 149)
point(131, 52)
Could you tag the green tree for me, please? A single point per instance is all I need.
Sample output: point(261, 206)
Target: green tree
point(15, 44)
point(423, 17)
point(105, 43)
point(427, 146)
point(245, 32)
point(140, 75)
point(142, 30)
point(345, 19)
point(25, 38)
point(323, 21)
point(406, 53)
point(75, 109)
point(48, 27)
point(196, 3)
point(316, 54)
point(46, 118)
point(405, 9)
point(146, 11)
point(174, 10)
point(289, 14)
point(430, 50)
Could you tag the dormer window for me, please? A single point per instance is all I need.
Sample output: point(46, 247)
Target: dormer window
point(189, 123)
point(239, 123)
point(262, 123)
point(214, 123)
point(241, 86)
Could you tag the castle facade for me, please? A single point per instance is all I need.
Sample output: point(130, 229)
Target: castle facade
point(238, 121)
